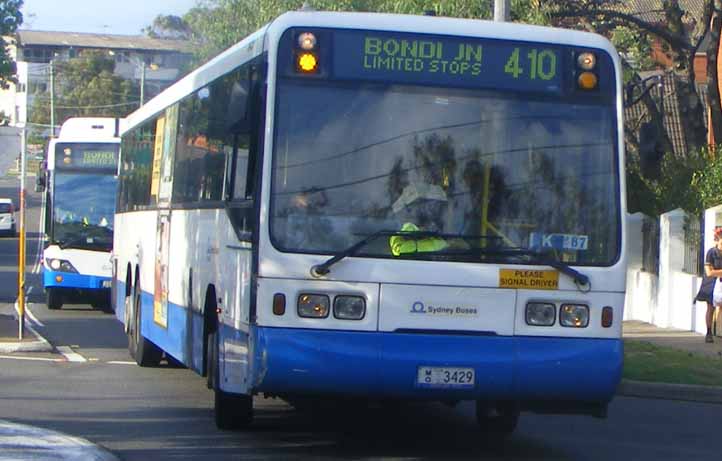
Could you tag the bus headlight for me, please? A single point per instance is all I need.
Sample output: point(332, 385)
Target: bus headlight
point(60, 265)
point(574, 315)
point(313, 306)
point(349, 307)
point(540, 314)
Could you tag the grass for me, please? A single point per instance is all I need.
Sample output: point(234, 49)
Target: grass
point(644, 361)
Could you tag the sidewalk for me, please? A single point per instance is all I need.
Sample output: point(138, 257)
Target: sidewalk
point(683, 340)
point(10, 341)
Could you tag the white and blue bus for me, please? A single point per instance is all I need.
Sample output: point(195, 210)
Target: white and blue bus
point(82, 168)
point(382, 206)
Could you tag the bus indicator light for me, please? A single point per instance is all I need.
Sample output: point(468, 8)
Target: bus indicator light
point(307, 63)
point(586, 61)
point(59, 278)
point(587, 81)
point(307, 41)
point(607, 316)
point(279, 304)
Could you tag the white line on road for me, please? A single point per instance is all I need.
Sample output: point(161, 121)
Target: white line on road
point(71, 355)
point(32, 317)
point(35, 359)
point(120, 362)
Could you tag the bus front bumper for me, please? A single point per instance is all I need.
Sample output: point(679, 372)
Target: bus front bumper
point(386, 365)
point(53, 279)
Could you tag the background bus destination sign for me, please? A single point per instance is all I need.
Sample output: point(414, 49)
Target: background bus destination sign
point(426, 59)
point(86, 156)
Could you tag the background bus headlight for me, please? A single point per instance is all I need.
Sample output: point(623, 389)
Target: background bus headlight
point(574, 315)
point(313, 306)
point(60, 265)
point(540, 314)
point(349, 307)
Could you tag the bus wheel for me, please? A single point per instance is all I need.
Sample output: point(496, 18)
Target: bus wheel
point(145, 353)
point(497, 418)
point(54, 298)
point(232, 411)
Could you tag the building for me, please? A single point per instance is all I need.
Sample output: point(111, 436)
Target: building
point(155, 62)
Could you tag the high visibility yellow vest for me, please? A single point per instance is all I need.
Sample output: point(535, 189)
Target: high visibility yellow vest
point(400, 245)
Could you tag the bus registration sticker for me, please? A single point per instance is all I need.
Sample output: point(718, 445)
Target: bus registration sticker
point(445, 377)
point(528, 279)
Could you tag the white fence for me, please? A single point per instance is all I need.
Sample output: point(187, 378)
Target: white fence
point(665, 296)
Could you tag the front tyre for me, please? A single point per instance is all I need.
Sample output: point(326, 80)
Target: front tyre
point(231, 411)
point(497, 418)
point(53, 298)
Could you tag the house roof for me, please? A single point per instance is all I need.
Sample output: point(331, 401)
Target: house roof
point(653, 11)
point(672, 115)
point(86, 40)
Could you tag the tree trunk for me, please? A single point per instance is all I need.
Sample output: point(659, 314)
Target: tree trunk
point(713, 89)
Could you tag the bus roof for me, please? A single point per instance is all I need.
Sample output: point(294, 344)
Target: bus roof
point(90, 129)
point(255, 44)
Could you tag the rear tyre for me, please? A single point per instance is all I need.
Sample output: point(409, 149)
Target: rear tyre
point(231, 411)
point(497, 418)
point(145, 353)
point(53, 298)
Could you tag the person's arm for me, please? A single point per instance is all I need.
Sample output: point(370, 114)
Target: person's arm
point(711, 271)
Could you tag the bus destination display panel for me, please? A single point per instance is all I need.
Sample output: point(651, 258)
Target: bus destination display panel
point(467, 62)
point(84, 156)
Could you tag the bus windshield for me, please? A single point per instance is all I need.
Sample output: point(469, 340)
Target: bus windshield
point(83, 207)
point(354, 159)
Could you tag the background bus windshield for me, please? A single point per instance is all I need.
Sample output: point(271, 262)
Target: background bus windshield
point(83, 208)
point(351, 160)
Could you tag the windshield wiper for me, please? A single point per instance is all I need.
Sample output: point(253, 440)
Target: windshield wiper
point(82, 242)
point(548, 258)
point(324, 268)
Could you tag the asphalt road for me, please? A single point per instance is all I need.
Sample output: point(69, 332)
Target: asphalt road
point(165, 413)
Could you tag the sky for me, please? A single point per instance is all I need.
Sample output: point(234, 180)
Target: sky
point(126, 17)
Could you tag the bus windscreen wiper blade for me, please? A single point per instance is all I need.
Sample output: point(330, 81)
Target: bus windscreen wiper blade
point(323, 268)
point(544, 257)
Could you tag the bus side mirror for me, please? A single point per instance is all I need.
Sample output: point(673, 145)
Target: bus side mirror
point(651, 151)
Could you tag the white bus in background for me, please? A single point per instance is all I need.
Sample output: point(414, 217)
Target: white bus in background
point(82, 168)
point(383, 207)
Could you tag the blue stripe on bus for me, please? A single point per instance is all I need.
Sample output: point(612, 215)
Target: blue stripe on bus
point(173, 340)
point(71, 280)
point(386, 364)
point(293, 360)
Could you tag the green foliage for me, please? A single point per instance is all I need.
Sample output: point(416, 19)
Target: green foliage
point(218, 24)
point(636, 49)
point(168, 27)
point(86, 87)
point(11, 20)
point(693, 183)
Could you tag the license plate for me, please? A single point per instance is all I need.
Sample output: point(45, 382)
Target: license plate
point(107, 283)
point(445, 377)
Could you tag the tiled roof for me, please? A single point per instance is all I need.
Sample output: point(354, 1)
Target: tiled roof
point(635, 115)
point(652, 10)
point(85, 40)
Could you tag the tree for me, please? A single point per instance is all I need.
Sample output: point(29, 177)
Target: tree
point(10, 20)
point(86, 87)
point(679, 33)
point(169, 27)
point(218, 24)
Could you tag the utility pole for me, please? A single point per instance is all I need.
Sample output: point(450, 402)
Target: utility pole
point(21, 242)
point(502, 10)
point(142, 82)
point(52, 100)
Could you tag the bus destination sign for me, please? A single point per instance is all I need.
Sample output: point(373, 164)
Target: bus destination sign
point(86, 156)
point(471, 63)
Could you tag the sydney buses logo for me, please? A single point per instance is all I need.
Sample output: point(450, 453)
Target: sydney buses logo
point(420, 308)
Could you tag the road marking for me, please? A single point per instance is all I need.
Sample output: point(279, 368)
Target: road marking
point(33, 359)
point(32, 317)
point(71, 355)
point(120, 362)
